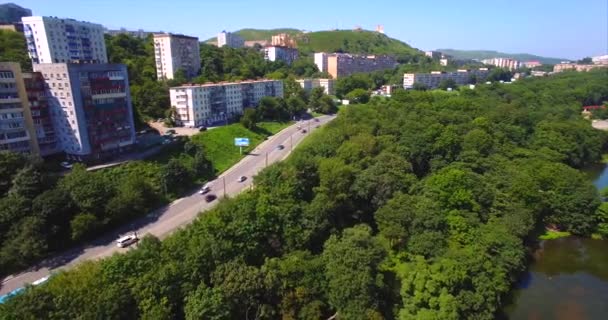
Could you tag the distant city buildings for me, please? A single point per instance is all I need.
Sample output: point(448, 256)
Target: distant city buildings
point(253, 43)
point(56, 40)
point(600, 59)
point(576, 67)
point(216, 103)
point(17, 131)
point(505, 63)
point(345, 64)
point(532, 64)
point(433, 54)
point(11, 13)
point(90, 107)
point(229, 39)
point(283, 40)
point(276, 53)
point(327, 85)
point(433, 79)
point(175, 52)
point(444, 61)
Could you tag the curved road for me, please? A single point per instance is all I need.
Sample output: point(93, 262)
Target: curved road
point(163, 221)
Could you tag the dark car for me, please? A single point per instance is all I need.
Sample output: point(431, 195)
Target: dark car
point(171, 131)
point(316, 120)
point(201, 129)
point(304, 131)
point(210, 197)
point(280, 147)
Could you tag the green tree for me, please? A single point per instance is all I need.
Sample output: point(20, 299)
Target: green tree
point(83, 226)
point(27, 183)
point(447, 83)
point(314, 100)
point(174, 174)
point(249, 119)
point(358, 96)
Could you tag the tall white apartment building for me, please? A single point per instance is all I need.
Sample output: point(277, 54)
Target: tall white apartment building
point(321, 61)
point(56, 40)
point(326, 84)
point(277, 53)
point(229, 39)
point(506, 63)
point(216, 103)
point(174, 52)
point(433, 79)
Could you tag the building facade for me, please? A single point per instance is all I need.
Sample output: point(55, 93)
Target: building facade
point(577, 67)
point(17, 132)
point(90, 107)
point(345, 64)
point(285, 54)
point(327, 85)
point(41, 113)
point(321, 61)
point(600, 59)
point(433, 54)
point(212, 104)
point(532, 64)
point(56, 40)
point(505, 63)
point(433, 79)
point(140, 33)
point(283, 40)
point(229, 39)
point(173, 52)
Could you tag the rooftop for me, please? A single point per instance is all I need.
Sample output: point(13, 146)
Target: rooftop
point(224, 83)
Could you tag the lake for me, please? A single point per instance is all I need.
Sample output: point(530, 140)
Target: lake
point(568, 277)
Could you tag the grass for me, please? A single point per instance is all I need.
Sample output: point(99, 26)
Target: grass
point(353, 42)
point(552, 235)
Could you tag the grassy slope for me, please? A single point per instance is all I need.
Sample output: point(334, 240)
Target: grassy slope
point(353, 42)
point(260, 34)
point(487, 54)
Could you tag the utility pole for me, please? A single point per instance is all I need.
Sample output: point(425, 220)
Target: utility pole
point(224, 180)
point(291, 139)
point(266, 159)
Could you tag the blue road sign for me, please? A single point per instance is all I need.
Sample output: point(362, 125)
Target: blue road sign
point(241, 142)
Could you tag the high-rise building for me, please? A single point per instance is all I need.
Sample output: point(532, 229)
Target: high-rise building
point(11, 13)
point(90, 106)
point(321, 61)
point(505, 63)
point(174, 52)
point(285, 54)
point(41, 113)
point(326, 84)
point(17, 132)
point(345, 64)
point(433, 79)
point(56, 40)
point(229, 39)
point(216, 103)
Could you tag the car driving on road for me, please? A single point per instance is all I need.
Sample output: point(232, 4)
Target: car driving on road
point(127, 240)
point(210, 197)
point(206, 188)
point(241, 179)
point(280, 147)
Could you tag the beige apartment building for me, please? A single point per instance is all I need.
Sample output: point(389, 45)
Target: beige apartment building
point(17, 131)
point(326, 84)
point(577, 67)
point(345, 64)
point(173, 52)
point(433, 79)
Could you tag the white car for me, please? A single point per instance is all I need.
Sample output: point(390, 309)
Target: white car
point(66, 165)
point(206, 188)
point(241, 179)
point(126, 240)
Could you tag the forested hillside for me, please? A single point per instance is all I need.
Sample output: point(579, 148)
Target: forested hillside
point(416, 207)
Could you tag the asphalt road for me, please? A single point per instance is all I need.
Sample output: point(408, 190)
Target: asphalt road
point(163, 221)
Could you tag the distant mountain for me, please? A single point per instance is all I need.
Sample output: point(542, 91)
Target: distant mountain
point(352, 41)
point(12, 13)
point(487, 54)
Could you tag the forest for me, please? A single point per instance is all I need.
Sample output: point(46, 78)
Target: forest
point(421, 206)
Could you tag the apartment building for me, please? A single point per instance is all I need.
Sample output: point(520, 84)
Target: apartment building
point(283, 40)
point(600, 59)
point(577, 67)
point(90, 107)
point(532, 64)
point(216, 103)
point(505, 63)
point(174, 52)
point(327, 85)
point(345, 64)
point(229, 39)
point(16, 127)
point(285, 54)
point(321, 61)
point(57, 40)
point(41, 113)
point(139, 33)
point(433, 79)
point(433, 54)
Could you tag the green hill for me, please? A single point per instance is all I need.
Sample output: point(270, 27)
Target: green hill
point(353, 42)
point(487, 54)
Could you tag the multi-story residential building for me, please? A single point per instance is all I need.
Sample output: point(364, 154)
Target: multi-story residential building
point(41, 113)
point(285, 54)
point(433, 79)
point(532, 64)
point(216, 103)
point(433, 54)
point(345, 64)
point(174, 52)
point(90, 105)
point(56, 40)
point(577, 67)
point(600, 59)
point(321, 61)
point(229, 39)
point(506, 63)
point(17, 132)
point(309, 84)
point(283, 40)
point(444, 61)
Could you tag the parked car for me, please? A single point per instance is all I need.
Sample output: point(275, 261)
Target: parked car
point(210, 197)
point(127, 240)
point(66, 165)
point(304, 131)
point(280, 147)
point(201, 129)
point(241, 179)
point(206, 188)
point(170, 131)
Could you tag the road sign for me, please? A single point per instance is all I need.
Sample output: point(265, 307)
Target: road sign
point(241, 142)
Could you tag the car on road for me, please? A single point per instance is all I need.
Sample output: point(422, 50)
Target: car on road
point(304, 131)
point(66, 165)
point(170, 131)
point(127, 240)
point(201, 129)
point(205, 189)
point(210, 197)
point(241, 179)
point(280, 147)
point(316, 120)
point(299, 127)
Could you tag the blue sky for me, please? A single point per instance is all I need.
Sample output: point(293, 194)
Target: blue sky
point(556, 28)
